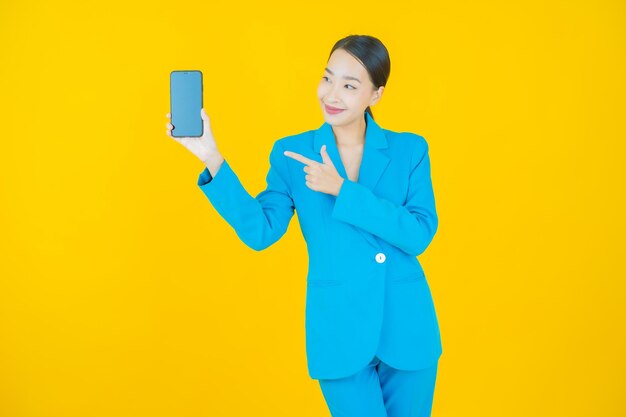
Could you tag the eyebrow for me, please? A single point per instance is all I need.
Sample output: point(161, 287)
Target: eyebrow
point(347, 77)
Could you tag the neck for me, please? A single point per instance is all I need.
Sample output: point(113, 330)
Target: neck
point(352, 134)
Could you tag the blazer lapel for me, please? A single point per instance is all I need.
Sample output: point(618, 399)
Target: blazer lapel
point(373, 163)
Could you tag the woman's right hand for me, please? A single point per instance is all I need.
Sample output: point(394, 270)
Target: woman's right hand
point(203, 147)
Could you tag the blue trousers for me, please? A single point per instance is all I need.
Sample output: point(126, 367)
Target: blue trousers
point(379, 390)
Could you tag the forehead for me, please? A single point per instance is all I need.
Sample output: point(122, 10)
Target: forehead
point(342, 63)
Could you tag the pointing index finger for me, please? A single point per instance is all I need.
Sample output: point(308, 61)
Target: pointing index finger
point(300, 158)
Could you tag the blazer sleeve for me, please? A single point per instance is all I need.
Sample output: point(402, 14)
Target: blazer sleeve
point(258, 221)
point(410, 227)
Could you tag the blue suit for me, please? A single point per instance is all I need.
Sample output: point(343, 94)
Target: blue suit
point(366, 291)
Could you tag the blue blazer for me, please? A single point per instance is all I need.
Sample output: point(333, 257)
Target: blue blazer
point(366, 291)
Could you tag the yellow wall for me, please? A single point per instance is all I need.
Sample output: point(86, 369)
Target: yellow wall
point(123, 293)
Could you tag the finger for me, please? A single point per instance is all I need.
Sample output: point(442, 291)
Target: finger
point(325, 156)
point(168, 115)
point(206, 122)
point(300, 158)
point(176, 138)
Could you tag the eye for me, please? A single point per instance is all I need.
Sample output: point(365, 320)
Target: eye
point(348, 85)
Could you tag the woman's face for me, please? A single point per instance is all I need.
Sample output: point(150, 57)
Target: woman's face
point(339, 89)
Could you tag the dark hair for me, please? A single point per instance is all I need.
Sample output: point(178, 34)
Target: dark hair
point(372, 54)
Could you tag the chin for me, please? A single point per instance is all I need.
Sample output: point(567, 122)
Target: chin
point(334, 121)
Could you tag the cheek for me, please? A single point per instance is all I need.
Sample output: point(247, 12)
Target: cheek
point(360, 100)
point(351, 100)
point(360, 97)
point(321, 90)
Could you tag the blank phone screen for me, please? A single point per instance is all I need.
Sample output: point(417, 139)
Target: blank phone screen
point(186, 103)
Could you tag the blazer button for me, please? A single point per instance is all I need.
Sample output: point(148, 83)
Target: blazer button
point(380, 257)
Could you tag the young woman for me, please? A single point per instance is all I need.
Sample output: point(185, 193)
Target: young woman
point(366, 208)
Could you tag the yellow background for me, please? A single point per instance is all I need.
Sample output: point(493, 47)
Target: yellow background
point(123, 293)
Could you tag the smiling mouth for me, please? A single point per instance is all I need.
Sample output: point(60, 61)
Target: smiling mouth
point(332, 108)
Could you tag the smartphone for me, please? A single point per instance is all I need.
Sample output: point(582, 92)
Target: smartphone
point(186, 103)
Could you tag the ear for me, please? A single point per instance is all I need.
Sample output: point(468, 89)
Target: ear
point(377, 95)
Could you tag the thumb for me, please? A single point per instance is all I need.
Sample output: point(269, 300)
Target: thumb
point(206, 122)
point(325, 156)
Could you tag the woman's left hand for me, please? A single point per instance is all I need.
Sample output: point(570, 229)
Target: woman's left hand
point(320, 176)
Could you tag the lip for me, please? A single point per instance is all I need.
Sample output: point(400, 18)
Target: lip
point(332, 110)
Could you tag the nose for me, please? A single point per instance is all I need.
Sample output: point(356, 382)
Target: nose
point(331, 97)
